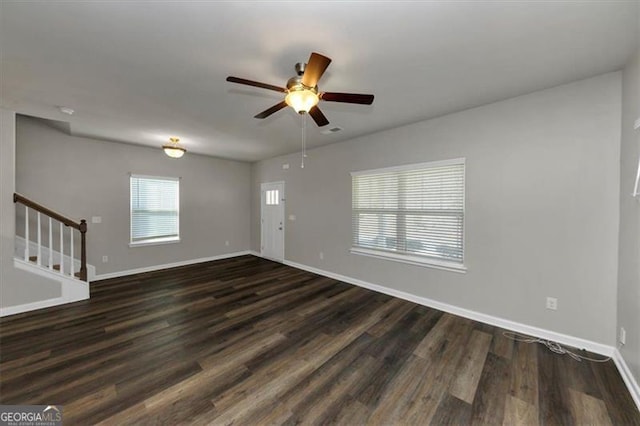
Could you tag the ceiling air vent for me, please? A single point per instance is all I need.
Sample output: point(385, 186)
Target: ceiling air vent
point(330, 130)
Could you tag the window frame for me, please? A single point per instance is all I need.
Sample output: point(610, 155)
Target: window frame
point(404, 257)
point(154, 240)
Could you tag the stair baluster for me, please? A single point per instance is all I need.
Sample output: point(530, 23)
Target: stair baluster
point(50, 244)
point(61, 248)
point(71, 266)
point(81, 226)
point(26, 233)
point(39, 248)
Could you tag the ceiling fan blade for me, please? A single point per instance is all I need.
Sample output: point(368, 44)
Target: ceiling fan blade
point(255, 84)
point(350, 98)
point(318, 116)
point(269, 111)
point(316, 66)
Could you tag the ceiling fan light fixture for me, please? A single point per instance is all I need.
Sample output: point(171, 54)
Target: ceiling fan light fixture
point(302, 100)
point(173, 149)
point(301, 92)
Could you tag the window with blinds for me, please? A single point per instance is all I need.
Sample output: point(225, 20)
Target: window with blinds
point(411, 213)
point(154, 209)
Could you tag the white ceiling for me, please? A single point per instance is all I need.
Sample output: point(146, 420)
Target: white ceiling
point(141, 71)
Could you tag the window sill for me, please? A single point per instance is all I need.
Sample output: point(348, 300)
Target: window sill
point(412, 260)
point(155, 242)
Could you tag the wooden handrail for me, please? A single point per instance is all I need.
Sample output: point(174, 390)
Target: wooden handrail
point(17, 198)
point(81, 226)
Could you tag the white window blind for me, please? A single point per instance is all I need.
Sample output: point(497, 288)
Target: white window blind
point(154, 209)
point(412, 211)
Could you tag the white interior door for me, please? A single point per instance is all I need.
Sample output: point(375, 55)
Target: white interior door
point(272, 219)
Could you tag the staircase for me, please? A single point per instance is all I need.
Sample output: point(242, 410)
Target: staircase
point(48, 248)
point(56, 267)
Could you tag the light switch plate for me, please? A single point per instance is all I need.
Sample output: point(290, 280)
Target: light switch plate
point(96, 219)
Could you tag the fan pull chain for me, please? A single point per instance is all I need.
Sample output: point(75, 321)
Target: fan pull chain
point(305, 134)
point(304, 140)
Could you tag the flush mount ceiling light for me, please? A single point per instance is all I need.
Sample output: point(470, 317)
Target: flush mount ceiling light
point(173, 149)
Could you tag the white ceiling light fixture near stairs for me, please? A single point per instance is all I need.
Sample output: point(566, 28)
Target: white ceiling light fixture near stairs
point(173, 149)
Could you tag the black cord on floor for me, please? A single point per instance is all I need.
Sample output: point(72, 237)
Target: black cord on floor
point(552, 346)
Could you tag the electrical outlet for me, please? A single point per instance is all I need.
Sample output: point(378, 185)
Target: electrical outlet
point(623, 336)
point(226, 243)
point(105, 259)
point(96, 219)
point(321, 255)
point(552, 303)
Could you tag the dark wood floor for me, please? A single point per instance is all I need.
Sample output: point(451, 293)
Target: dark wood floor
point(253, 342)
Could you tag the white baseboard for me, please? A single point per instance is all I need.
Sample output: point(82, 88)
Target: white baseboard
point(628, 378)
point(67, 297)
point(168, 265)
point(72, 289)
point(70, 297)
point(598, 348)
point(18, 309)
point(565, 339)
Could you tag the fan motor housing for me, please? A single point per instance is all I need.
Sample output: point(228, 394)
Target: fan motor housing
point(295, 83)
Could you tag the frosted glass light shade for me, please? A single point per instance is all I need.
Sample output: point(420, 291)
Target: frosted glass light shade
point(301, 100)
point(174, 149)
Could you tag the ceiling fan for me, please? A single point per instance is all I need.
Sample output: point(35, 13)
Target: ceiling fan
point(302, 92)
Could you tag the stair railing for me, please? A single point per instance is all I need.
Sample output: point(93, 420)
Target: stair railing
point(64, 222)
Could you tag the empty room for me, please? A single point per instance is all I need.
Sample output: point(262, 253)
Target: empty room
point(346, 212)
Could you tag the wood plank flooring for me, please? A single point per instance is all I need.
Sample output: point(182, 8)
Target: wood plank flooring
point(248, 341)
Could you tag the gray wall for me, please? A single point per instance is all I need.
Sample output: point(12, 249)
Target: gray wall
point(629, 249)
point(542, 206)
point(82, 177)
point(16, 286)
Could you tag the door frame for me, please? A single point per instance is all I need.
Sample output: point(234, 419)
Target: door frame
point(263, 187)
